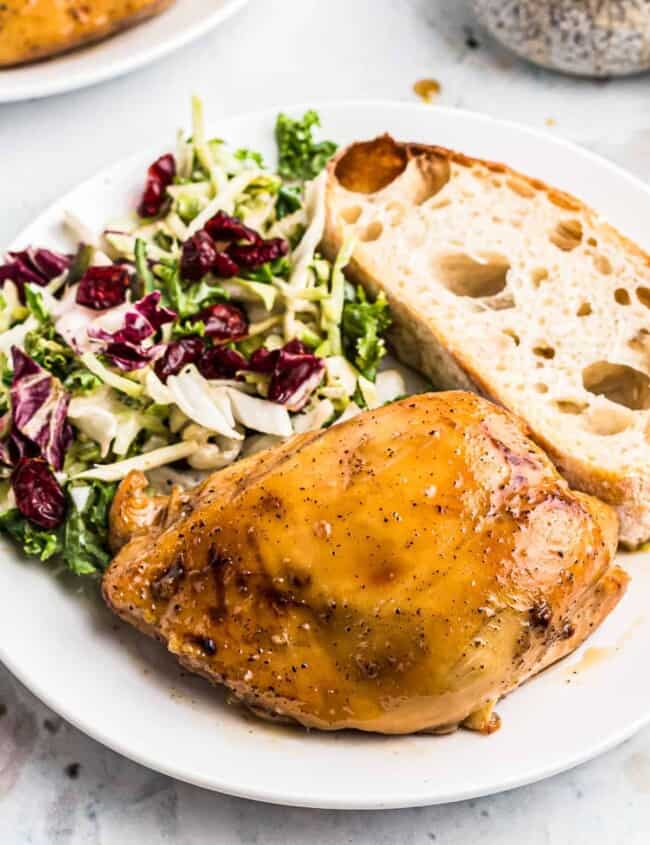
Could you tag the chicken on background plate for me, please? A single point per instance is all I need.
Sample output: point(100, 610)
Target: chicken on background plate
point(42, 28)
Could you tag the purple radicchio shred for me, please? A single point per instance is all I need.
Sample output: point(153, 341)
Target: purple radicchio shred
point(39, 408)
point(125, 347)
point(33, 266)
point(295, 373)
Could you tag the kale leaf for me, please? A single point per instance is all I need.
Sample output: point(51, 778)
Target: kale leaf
point(363, 324)
point(300, 157)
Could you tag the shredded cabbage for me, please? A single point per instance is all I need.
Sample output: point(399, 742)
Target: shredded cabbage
point(191, 392)
point(260, 414)
point(147, 461)
point(124, 385)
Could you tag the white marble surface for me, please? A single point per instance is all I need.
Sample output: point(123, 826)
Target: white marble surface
point(56, 786)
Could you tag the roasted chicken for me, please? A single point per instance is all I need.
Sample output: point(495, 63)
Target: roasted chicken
point(399, 572)
point(41, 28)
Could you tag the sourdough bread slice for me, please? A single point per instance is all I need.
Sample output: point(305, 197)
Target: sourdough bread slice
point(503, 285)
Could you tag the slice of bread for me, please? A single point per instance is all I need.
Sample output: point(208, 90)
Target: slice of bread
point(501, 284)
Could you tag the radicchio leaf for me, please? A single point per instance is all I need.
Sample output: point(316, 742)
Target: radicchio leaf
point(39, 407)
point(33, 266)
point(295, 373)
point(126, 347)
point(39, 496)
point(16, 446)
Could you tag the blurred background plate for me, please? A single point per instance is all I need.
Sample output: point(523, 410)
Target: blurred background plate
point(124, 52)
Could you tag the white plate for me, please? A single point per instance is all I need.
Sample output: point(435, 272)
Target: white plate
point(123, 52)
point(125, 691)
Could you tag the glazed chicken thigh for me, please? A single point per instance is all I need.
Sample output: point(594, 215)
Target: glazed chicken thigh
point(39, 28)
point(396, 573)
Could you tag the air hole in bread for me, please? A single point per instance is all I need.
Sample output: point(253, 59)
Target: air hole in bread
point(566, 406)
point(544, 352)
point(438, 204)
point(372, 165)
point(641, 341)
point(477, 277)
point(584, 310)
point(619, 383)
point(622, 296)
point(520, 187)
point(372, 232)
point(539, 275)
point(608, 421)
point(603, 264)
point(643, 295)
point(434, 173)
point(562, 200)
point(567, 235)
point(540, 387)
point(513, 336)
point(351, 214)
point(397, 213)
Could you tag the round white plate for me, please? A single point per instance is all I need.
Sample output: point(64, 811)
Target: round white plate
point(123, 52)
point(124, 689)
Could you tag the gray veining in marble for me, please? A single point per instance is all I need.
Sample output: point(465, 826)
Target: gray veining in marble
point(56, 786)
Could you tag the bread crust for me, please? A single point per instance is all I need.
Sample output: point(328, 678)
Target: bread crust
point(423, 344)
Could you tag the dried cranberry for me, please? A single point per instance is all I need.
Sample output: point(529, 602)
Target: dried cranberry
point(297, 347)
point(263, 360)
point(198, 256)
point(294, 377)
point(159, 176)
point(39, 495)
point(224, 322)
point(221, 362)
point(254, 255)
point(224, 266)
point(223, 227)
point(177, 354)
point(103, 287)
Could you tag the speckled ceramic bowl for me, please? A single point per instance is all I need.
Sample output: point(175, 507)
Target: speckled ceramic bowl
point(584, 37)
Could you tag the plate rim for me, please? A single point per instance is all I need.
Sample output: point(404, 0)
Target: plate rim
point(359, 801)
point(111, 70)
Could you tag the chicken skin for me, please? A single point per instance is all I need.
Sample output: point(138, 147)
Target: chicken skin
point(40, 28)
point(399, 572)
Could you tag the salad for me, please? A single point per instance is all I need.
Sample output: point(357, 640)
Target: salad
point(202, 327)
